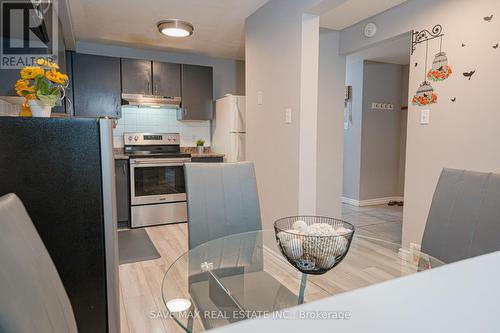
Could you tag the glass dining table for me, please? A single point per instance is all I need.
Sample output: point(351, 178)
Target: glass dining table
point(245, 276)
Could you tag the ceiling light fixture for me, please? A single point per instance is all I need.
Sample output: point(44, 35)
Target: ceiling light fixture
point(175, 28)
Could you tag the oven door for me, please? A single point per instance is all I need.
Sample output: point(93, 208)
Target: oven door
point(157, 180)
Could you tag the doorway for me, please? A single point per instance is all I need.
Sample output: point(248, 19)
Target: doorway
point(375, 118)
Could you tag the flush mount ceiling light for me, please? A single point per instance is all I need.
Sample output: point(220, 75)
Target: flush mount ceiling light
point(175, 28)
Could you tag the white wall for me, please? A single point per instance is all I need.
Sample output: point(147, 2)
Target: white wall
point(352, 136)
point(281, 62)
point(463, 134)
point(308, 114)
point(330, 124)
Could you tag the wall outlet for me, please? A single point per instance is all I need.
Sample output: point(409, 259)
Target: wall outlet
point(288, 116)
point(425, 117)
point(260, 98)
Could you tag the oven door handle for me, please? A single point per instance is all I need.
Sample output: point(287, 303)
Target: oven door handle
point(160, 162)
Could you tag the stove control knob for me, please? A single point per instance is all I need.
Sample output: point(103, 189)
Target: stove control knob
point(130, 138)
point(136, 138)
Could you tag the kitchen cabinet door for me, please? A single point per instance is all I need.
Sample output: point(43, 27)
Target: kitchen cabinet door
point(96, 86)
point(122, 191)
point(197, 93)
point(136, 76)
point(166, 79)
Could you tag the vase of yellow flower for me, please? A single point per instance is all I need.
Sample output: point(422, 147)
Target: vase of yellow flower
point(42, 86)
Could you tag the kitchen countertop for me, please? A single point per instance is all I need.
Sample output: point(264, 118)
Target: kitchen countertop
point(120, 155)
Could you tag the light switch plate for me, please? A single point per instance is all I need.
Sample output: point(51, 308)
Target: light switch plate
point(288, 116)
point(425, 117)
point(260, 98)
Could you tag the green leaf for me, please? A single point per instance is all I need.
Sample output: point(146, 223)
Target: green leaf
point(50, 100)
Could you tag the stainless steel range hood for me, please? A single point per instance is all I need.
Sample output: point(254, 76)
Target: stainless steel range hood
point(151, 100)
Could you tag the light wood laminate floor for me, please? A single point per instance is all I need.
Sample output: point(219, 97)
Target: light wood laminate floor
point(140, 283)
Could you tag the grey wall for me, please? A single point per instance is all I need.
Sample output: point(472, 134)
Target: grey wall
point(273, 58)
point(374, 146)
point(330, 124)
point(381, 131)
point(463, 134)
point(229, 74)
point(352, 136)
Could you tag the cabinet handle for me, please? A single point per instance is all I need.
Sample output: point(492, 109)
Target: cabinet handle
point(156, 88)
point(148, 89)
point(124, 171)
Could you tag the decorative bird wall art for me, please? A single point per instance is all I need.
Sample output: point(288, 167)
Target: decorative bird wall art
point(469, 74)
point(488, 18)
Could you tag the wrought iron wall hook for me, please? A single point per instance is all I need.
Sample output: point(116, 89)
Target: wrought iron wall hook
point(421, 36)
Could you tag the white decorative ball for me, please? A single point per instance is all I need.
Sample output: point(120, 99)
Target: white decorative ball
point(325, 262)
point(293, 248)
point(300, 225)
point(342, 231)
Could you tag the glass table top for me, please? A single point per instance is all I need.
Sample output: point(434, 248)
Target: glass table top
point(245, 276)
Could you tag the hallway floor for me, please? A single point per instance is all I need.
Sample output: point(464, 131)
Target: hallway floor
point(381, 221)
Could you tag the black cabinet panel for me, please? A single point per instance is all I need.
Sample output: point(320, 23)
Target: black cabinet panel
point(166, 79)
point(197, 93)
point(96, 86)
point(60, 185)
point(122, 190)
point(136, 76)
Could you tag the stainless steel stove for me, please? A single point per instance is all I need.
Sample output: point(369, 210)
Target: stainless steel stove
point(157, 185)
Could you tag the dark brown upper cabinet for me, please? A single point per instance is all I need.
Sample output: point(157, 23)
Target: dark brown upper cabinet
point(166, 79)
point(96, 86)
point(137, 77)
point(197, 93)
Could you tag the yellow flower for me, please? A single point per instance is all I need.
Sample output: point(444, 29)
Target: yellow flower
point(56, 77)
point(47, 63)
point(28, 73)
point(30, 96)
point(23, 86)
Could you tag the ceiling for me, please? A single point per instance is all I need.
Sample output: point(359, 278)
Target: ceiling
point(219, 24)
point(395, 51)
point(350, 12)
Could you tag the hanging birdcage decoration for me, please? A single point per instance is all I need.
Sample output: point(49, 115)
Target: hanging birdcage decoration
point(425, 95)
point(440, 70)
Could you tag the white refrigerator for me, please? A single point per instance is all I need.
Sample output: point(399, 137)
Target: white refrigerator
point(229, 128)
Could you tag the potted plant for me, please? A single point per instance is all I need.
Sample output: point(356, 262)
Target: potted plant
point(42, 86)
point(199, 146)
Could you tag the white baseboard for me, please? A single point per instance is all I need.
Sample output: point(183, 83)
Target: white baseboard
point(370, 202)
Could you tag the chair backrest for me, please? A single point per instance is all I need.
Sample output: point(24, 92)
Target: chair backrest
point(464, 219)
point(33, 298)
point(222, 200)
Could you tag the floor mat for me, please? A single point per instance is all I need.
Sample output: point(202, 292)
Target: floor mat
point(135, 245)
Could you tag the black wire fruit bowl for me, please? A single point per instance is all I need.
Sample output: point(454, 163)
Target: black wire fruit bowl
point(313, 244)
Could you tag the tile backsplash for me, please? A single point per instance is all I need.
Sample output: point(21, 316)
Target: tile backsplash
point(150, 120)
